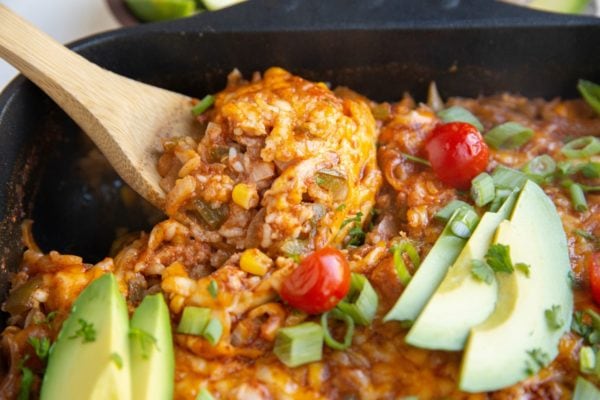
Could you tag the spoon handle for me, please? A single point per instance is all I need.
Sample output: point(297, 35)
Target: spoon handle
point(125, 118)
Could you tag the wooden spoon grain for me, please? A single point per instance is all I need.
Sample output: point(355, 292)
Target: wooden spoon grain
point(126, 119)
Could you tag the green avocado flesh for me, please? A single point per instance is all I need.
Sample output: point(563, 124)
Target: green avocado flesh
point(218, 4)
point(428, 276)
point(161, 10)
point(517, 339)
point(151, 349)
point(460, 301)
point(90, 358)
point(561, 6)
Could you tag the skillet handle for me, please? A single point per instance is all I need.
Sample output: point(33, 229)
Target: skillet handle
point(312, 15)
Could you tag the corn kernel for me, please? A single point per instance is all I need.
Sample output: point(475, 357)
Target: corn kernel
point(245, 195)
point(255, 262)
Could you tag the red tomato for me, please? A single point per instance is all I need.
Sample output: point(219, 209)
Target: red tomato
point(320, 281)
point(457, 153)
point(594, 271)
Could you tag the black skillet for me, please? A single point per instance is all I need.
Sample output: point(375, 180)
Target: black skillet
point(381, 48)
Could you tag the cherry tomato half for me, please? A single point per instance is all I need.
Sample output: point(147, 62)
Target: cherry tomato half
point(320, 281)
point(594, 271)
point(457, 153)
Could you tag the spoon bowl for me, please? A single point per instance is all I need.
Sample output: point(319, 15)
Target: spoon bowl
point(126, 119)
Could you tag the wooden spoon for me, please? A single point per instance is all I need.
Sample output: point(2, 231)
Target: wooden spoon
point(126, 119)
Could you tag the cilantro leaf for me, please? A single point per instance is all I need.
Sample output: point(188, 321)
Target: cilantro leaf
point(481, 271)
point(553, 317)
point(538, 360)
point(144, 340)
point(26, 382)
point(498, 258)
point(524, 268)
point(41, 345)
point(116, 358)
point(87, 332)
point(356, 235)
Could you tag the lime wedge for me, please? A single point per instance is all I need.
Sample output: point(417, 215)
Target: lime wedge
point(161, 10)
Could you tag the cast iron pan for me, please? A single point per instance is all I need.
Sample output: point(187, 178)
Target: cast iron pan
point(381, 48)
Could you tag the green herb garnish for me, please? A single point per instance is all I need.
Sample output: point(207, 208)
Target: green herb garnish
point(116, 358)
point(87, 332)
point(26, 382)
point(524, 268)
point(553, 317)
point(143, 339)
point(498, 258)
point(538, 360)
point(41, 345)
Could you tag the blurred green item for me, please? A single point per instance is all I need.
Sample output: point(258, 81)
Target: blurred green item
point(213, 5)
point(161, 10)
point(560, 6)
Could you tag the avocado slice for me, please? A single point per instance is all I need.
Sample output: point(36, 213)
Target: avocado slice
point(90, 359)
point(161, 10)
point(151, 349)
point(214, 5)
point(517, 338)
point(428, 276)
point(460, 301)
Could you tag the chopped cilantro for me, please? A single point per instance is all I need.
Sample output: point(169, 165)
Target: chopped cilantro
point(295, 257)
point(524, 268)
point(498, 258)
point(538, 360)
point(41, 345)
point(116, 358)
point(213, 288)
point(586, 324)
point(553, 318)
point(585, 234)
point(319, 180)
point(87, 332)
point(356, 235)
point(356, 219)
point(143, 339)
point(481, 271)
point(50, 317)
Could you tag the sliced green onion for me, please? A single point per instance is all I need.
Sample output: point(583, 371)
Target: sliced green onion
point(499, 198)
point(26, 384)
point(204, 394)
point(564, 168)
point(398, 250)
point(329, 339)
point(590, 92)
point(464, 223)
point(445, 213)
point(300, 344)
point(334, 182)
point(203, 105)
point(508, 135)
point(577, 196)
point(508, 178)
point(585, 390)
point(540, 169)
point(482, 189)
point(434, 100)
point(590, 170)
point(582, 147)
point(361, 301)
point(193, 320)
point(587, 359)
point(213, 331)
point(213, 289)
point(416, 159)
point(460, 114)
